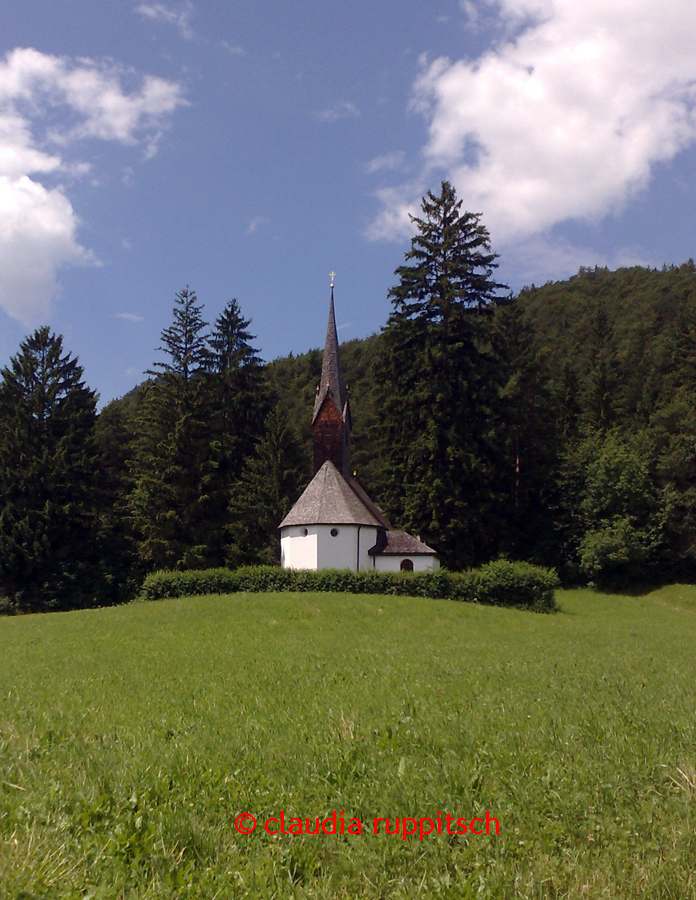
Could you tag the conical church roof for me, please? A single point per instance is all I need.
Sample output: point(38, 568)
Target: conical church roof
point(331, 373)
point(329, 500)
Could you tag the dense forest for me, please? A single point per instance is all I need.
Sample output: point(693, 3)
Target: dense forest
point(556, 426)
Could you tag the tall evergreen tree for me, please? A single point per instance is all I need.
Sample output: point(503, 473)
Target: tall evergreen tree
point(238, 402)
point(437, 380)
point(172, 470)
point(238, 394)
point(50, 528)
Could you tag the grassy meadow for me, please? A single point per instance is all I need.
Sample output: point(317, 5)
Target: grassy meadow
point(132, 737)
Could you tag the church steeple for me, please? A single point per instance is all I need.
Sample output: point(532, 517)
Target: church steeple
point(331, 417)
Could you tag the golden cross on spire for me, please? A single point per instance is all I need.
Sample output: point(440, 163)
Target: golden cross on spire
point(333, 275)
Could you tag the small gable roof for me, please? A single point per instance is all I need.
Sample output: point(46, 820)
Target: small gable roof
point(400, 543)
point(329, 500)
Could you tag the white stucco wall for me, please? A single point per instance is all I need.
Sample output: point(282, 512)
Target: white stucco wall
point(368, 539)
point(297, 550)
point(393, 563)
point(336, 552)
point(319, 549)
point(343, 550)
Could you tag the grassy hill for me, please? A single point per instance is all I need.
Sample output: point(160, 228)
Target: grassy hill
point(131, 738)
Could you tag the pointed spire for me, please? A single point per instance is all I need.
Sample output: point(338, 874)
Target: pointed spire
point(331, 373)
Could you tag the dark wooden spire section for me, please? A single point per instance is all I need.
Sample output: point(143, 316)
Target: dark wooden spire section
point(331, 417)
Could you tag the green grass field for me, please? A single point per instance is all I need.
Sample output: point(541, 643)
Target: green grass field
point(131, 738)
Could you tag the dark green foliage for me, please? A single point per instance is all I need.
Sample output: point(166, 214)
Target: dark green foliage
point(199, 422)
point(500, 583)
point(237, 404)
point(115, 436)
point(617, 344)
point(558, 427)
point(52, 532)
point(437, 386)
point(184, 343)
point(484, 430)
point(238, 395)
point(271, 482)
point(527, 437)
point(616, 517)
point(172, 471)
point(619, 350)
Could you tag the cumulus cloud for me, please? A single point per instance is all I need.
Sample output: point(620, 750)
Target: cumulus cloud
point(37, 236)
point(80, 99)
point(180, 16)
point(564, 118)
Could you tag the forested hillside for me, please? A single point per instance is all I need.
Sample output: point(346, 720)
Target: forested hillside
point(558, 426)
point(596, 423)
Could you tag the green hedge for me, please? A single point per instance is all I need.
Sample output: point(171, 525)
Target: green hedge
point(501, 583)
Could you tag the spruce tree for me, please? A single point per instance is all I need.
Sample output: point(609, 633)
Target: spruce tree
point(237, 405)
point(50, 527)
point(238, 393)
point(172, 470)
point(437, 382)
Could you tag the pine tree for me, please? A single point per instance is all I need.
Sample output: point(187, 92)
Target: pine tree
point(50, 528)
point(172, 470)
point(437, 381)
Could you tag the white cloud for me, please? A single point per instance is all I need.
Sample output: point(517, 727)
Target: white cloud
point(233, 49)
point(38, 224)
point(563, 119)
point(344, 110)
point(255, 223)
point(398, 204)
point(37, 236)
point(179, 17)
point(389, 161)
point(129, 317)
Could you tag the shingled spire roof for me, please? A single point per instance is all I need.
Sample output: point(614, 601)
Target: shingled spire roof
point(331, 373)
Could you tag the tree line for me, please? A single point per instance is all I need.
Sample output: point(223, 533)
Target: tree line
point(555, 426)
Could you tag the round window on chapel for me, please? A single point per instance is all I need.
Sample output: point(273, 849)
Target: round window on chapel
point(334, 532)
point(305, 532)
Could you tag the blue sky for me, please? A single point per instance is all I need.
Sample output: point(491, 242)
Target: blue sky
point(247, 149)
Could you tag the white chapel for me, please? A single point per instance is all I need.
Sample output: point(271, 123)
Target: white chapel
point(334, 524)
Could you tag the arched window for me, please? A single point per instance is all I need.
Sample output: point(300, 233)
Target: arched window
point(407, 565)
